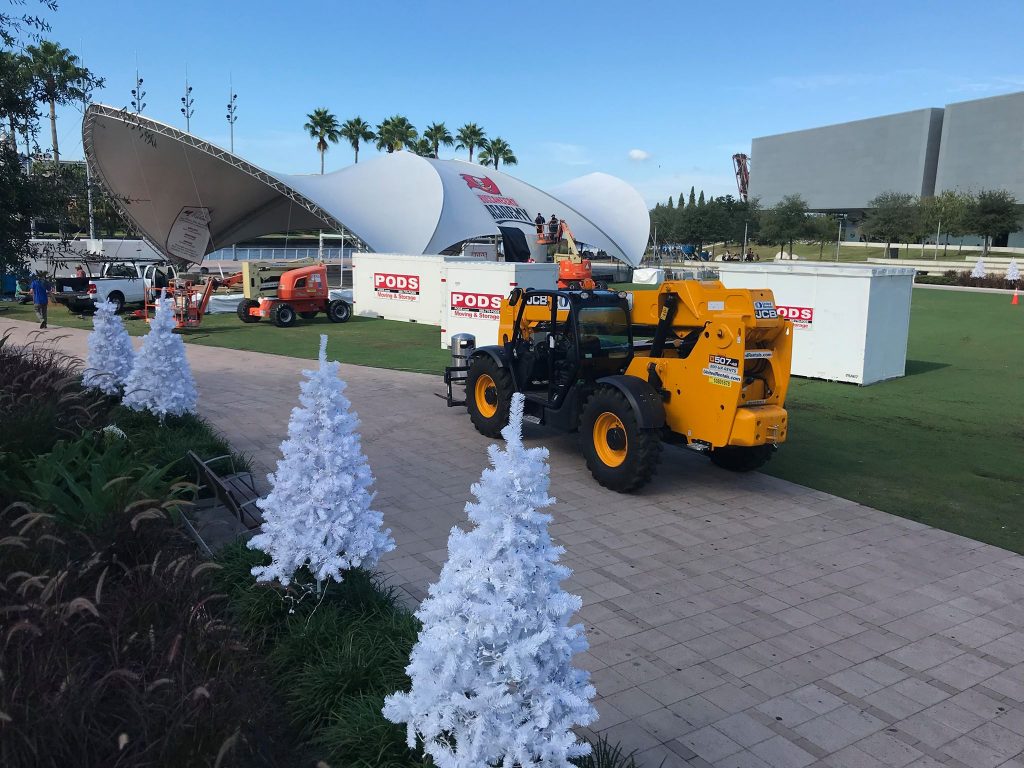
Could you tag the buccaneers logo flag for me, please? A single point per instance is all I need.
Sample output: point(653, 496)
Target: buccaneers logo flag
point(481, 182)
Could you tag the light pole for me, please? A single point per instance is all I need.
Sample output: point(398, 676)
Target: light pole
point(839, 237)
point(138, 95)
point(186, 104)
point(231, 117)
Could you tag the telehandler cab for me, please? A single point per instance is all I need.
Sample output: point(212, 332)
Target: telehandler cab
point(692, 363)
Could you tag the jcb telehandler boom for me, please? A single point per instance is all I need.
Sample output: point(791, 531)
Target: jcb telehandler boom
point(693, 363)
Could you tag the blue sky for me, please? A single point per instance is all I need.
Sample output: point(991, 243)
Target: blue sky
point(572, 86)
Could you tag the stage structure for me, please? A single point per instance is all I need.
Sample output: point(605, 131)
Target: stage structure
point(189, 197)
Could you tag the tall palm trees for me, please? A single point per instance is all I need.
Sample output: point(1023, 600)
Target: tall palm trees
point(496, 151)
point(357, 130)
point(322, 126)
point(469, 137)
point(61, 79)
point(395, 133)
point(422, 147)
point(437, 134)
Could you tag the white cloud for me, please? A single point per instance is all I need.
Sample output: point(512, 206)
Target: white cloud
point(639, 155)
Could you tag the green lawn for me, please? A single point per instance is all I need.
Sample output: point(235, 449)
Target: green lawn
point(363, 341)
point(853, 253)
point(943, 445)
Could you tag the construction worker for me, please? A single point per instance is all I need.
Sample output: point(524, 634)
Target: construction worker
point(553, 227)
point(539, 221)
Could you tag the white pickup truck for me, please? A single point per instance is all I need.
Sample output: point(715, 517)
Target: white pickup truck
point(121, 283)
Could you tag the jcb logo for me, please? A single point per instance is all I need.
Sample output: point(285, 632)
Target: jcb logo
point(544, 301)
point(385, 281)
point(765, 310)
point(476, 300)
point(797, 314)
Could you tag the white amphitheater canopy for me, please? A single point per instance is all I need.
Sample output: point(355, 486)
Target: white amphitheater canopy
point(189, 197)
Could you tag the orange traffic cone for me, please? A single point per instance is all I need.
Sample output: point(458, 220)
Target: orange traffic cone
point(1015, 300)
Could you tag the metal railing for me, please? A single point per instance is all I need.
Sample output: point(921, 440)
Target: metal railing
point(280, 254)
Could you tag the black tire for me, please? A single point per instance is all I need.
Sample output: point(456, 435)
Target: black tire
point(742, 459)
point(307, 315)
point(575, 285)
point(488, 395)
point(117, 299)
point(242, 310)
point(339, 311)
point(621, 455)
point(282, 315)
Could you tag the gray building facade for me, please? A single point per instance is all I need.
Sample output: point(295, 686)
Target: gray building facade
point(841, 167)
point(982, 145)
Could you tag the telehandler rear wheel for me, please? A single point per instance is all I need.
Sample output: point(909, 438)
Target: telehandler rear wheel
point(488, 395)
point(621, 455)
point(740, 458)
point(339, 311)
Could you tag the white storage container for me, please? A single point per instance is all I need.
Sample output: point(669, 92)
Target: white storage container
point(474, 290)
point(851, 322)
point(398, 287)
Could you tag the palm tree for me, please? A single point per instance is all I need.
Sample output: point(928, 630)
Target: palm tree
point(470, 136)
point(322, 126)
point(60, 79)
point(396, 133)
point(357, 130)
point(496, 151)
point(422, 147)
point(437, 134)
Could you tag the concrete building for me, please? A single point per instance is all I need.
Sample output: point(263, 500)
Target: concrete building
point(969, 145)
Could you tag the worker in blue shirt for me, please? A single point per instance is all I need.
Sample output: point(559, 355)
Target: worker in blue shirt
point(39, 297)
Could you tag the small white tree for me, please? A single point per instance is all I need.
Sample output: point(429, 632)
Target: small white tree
point(161, 380)
point(979, 268)
point(1013, 271)
point(111, 355)
point(318, 512)
point(492, 675)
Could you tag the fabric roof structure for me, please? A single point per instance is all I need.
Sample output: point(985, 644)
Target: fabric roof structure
point(189, 197)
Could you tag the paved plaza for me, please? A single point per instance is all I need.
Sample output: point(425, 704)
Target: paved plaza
point(735, 621)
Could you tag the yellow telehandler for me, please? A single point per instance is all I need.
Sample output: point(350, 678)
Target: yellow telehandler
point(692, 363)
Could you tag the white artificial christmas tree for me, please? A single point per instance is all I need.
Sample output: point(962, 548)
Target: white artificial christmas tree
point(979, 268)
point(111, 355)
point(1013, 271)
point(492, 675)
point(318, 512)
point(161, 381)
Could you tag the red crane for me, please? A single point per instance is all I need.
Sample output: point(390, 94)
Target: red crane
point(742, 169)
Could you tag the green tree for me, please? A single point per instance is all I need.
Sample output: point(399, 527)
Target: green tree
point(700, 200)
point(494, 151)
point(438, 135)
point(357, 131)
point(322, 126)
point(16, 102)
point(670, 206)
point(60, 80)
point(395, 134)
point(469, 137)
point(894, 217)
point(692, 200)
point(823, 229)
point(994, 212)
point(784, 223)
point(422, 147)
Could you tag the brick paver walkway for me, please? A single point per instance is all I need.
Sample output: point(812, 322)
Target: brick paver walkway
point(734, 621)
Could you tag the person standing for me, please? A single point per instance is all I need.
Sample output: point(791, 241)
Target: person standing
point(39, 297)
point(539, 221)
point(553, 227)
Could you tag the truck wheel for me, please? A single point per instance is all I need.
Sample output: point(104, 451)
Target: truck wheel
point(282, 315)
point(488, 395)
point(740, 458)
point(242, 310)
point(621, 455)
point(307, 315)
point(117, 299)
point(339, 311)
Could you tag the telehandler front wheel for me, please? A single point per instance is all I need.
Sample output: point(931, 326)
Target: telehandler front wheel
point(339, 311)
point(488, 395)
point(737, 458)
point(242, 310)
point(282, 315)
point(620, 454)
